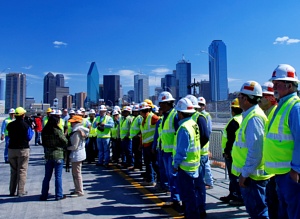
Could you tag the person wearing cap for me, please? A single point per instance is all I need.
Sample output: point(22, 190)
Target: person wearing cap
point(38, 129)
point(228, 138)
point(282, 142)
point(103, 124)
point(187, 157)
point(19, 133)
point(65, 116)
point(148, 130)
point(167, 130)
point(54, 142)
point(126, 143)
point(115, 137)
point(78, 154)
point(247, 151)
point(91, 143)
point(45, 118)
point(4, 132)
point(135, 136)
point(204, 138)
point(205, 149)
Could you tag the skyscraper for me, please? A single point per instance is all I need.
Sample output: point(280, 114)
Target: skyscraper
point(170, 84)
point(111, 89)
point(93, 84)
point(80, 99)
point(183, 78)
point(141, 88)
point(15, 91)
point(218, 70)
point(49, 88)
point(1, 89)
point(60, 80)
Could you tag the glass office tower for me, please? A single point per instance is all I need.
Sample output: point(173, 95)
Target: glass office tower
point(93, 84)
point(111, 89)
point(141, 88)
point(183, 78)
point(218, 70)
point(49, 88)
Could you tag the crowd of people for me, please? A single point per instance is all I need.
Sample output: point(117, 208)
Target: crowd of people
point(260, 147)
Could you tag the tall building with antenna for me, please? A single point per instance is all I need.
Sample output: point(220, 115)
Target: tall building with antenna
point(183, 78)
point(93, 85)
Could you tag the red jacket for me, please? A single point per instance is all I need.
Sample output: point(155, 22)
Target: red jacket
point(38, 122)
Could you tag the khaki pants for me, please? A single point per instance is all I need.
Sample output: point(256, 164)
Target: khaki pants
point(77, 177)
point(18, 159)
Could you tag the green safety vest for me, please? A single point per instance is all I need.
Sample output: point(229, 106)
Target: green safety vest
point(69, 128)
point(167, 132)
point(205, 148)
point(106, 132)
point(159, 134)
point(135, 126)
point(125, 126)
point(148, 130)
point(7, 121)
point(238, 119)
point(192, 161)
point(114, 131)
point(93, 130)
point(45, 120)
point(240, 150)
point(279, 142)
point(61, 124)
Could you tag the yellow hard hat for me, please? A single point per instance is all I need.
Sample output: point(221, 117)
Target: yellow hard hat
point(235, 103)
point(20, 111)
point(149, 102)
point(49, 110)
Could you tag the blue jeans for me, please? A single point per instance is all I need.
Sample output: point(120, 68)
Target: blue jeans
point(103, 150)
point(187, 187)
point(201, 198)
point(57, 165)
point(162, 172)
point(148, 160)
point(6, 148)
point(254, 196)
point(37, 137)
point(208, 175)
point(167, 158)
point(127, 150)
point(234, 188)
point(288, 194)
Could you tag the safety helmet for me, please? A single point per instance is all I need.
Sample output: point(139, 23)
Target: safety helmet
point(92, 111)
point(202, 100)
point(12, 110)
point(49, 110)
point(235, 103)
point(267, 88)
point(136, 108)
point(144, 105)
point(185, 105)
point(102, 108)
point(53, 112)
point(117, 108)
point(165, 96)
point(82, 109)
point(58, 112)
point(20, 111)
point(126, 108)
point(155, 109)
point(284, 72)
point(194, 100)
point(72, 112)
point(115, 112)
point(78, 112)
point(150, 103)
point(251, 88)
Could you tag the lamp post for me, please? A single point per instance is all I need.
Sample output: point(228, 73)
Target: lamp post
point(215, 80)
point(194, 85)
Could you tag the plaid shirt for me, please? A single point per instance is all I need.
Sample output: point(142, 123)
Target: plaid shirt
point(54, 145)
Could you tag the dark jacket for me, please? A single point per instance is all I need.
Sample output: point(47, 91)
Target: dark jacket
point(19, 134)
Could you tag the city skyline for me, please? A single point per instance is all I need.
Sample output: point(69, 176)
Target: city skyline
point(127, 38)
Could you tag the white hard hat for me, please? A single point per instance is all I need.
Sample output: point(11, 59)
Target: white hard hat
point(185, 105)
point(165, 97)
point(115, 112)
point(155, 109)
point(58, 112)
point(79, 112)
point(251, 88)
point(202, 100)
point(136, 108)
point(194, 100)
point(117, 108)
point(71, 112)
point(284, 72)
point(92, 111)
point(267, 88)
point(53, 112)
point(144, 105)
point(12, 110)
point(126, 108)
point(82, 109)
point(102, 108)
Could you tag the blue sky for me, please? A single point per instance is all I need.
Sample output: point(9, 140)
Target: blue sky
point(129, 36)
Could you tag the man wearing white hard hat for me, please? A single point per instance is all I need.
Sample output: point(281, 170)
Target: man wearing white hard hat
point(282, 142)
point(115, 137)
point(187, 157)
point(247, 151)
point(4, 132)
point(103, 123)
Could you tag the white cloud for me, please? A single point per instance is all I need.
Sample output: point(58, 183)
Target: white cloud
point(234, 79)
point(161, 71)
point(33, 76)
point(58, 44)
point(69, 75)
point(27, 67)
point(285, 40)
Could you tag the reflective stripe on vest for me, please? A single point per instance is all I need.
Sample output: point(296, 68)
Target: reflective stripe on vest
point(168, 132)
point(240, 149)
point(279, 143)
point(192, 161)
point(124, 126)
point(93, 131)
point(135, 126)
point(238, 118)
point(106, 132)
point(148, 130)
point(205, 149)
